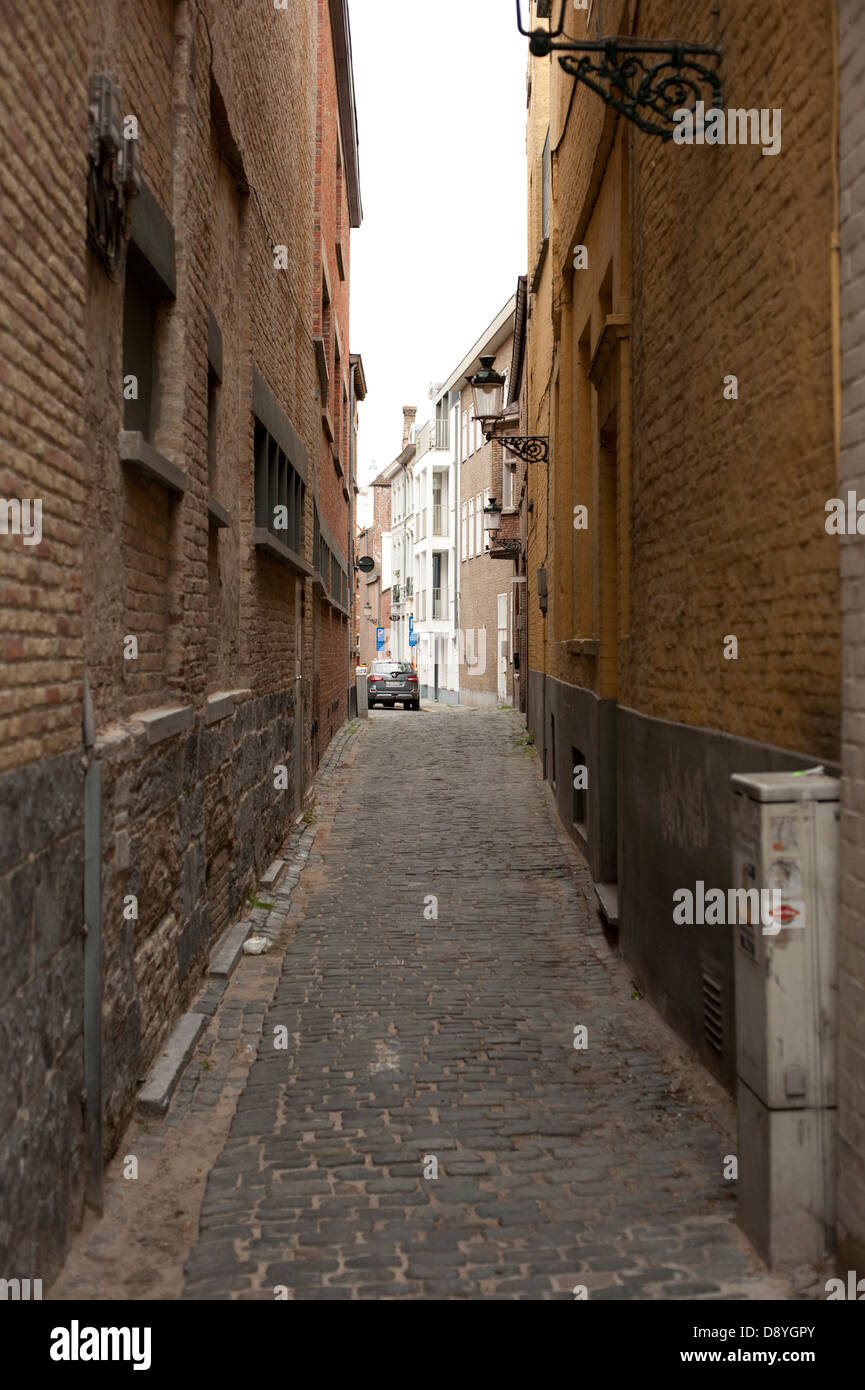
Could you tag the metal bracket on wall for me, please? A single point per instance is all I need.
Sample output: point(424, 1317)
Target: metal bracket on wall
point(532, 448)
point(647, 80)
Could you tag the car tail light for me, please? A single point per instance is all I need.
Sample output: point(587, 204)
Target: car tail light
point(370, 679)
point(412, 680)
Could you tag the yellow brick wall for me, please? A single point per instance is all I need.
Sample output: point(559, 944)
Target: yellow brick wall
point(720, 503)
point(732, 275)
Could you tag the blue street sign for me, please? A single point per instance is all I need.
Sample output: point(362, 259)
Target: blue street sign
point(413, 639)
point(379, 639)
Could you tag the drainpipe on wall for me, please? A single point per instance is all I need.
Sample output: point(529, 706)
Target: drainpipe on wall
point(92, 932)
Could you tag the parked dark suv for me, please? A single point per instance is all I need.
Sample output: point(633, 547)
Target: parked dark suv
point(392, 683)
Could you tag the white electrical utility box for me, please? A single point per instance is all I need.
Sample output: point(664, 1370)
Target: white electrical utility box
point(785, 837)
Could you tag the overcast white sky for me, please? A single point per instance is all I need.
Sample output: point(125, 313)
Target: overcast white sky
point(440, 250)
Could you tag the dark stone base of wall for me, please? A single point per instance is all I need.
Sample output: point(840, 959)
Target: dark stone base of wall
point(188, 826)
point(41, 1013)
point(658, 819)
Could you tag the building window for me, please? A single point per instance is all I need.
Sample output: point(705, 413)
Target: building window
point(279, 492)
point(471, 550)
point(507, 480)
point(465, 436)
point(325, 317)
point(479, 525)
point(486, 533)
point(139, 347)
point(463, 524)
point(440, 505)
point(545, 200)
point(337, 399)
point(212, 427)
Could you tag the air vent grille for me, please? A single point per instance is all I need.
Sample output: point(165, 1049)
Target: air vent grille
point(713, 1013)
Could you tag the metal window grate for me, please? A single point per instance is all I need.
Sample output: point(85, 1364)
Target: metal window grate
point(278, 486)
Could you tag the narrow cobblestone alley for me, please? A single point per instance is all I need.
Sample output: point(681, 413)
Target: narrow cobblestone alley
point(432, 671)
point(411, 1039)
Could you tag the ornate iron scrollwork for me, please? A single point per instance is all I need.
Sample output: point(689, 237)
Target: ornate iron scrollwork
point(512, 545)
point(647, 92)
point(647, 80)
point(533, 448)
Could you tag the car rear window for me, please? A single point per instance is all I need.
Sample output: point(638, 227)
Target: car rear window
point(381, 667)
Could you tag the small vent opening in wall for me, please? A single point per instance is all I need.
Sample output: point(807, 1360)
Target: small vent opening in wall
point(713, 1015)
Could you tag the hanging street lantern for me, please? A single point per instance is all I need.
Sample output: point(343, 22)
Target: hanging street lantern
point(488, 392)
point(492, 515)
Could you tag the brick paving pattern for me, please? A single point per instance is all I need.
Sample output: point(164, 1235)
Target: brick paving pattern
point(411, 1038)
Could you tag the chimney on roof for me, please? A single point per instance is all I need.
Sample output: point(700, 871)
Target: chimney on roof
point(408, 418)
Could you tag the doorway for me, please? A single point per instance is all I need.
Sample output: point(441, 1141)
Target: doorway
point(502, 645)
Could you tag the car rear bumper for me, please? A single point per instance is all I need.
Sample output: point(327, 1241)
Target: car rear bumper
point(394, 697)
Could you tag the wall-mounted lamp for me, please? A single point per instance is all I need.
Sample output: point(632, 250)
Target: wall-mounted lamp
point(487, 393)
point(492, 515)
point(113, 172)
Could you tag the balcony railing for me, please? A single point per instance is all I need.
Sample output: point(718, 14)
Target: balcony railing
point(435, 434)
point(440, 603)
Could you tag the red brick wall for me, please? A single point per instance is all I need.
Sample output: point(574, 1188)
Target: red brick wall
point(331, 222)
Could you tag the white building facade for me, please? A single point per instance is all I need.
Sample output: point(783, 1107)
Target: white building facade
point(402, 530)
point(435, 575)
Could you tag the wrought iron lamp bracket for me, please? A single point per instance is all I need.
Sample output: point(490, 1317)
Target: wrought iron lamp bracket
point(645, 79)
point(532, 448)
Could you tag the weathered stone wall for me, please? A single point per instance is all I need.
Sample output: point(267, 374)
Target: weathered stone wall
point(202, 800)
point(41, 1012)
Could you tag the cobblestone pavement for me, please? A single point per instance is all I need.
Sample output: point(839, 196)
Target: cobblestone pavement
point(410, 1037)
